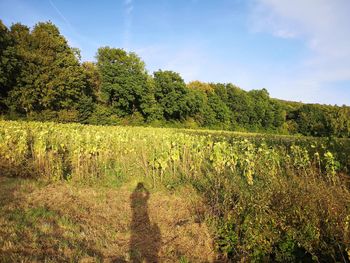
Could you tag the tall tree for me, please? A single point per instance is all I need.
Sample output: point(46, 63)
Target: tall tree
point(124, 81)
point(241, 106)
point(51, 76)
point(171, 93)
point(209, 102)
point(221, 112)
point(8, 64)
point(198, 102)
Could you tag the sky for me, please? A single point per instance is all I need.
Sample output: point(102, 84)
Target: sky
point(298, 50)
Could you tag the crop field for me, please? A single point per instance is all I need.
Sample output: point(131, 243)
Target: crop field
point(68, 192)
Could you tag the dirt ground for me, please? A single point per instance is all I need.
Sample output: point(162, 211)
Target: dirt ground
point(60, 222)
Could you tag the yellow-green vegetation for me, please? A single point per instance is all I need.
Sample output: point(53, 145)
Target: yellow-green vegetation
point(266, 198)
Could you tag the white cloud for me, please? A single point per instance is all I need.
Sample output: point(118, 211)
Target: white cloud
point(186, 59)
point(324, 27)
point(284, 33)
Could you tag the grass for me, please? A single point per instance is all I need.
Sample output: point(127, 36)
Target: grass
point(60, 222)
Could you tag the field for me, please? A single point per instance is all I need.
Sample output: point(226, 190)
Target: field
point(72, 192)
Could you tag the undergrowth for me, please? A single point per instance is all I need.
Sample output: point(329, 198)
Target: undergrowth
point(266, 200)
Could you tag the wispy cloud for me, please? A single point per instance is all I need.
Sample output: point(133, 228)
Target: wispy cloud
point(128, 9)
point(186, 58)
point(61, 15)
point(74, 37)
point(323, 26)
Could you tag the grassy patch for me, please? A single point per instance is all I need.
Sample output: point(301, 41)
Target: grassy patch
point(60, 222)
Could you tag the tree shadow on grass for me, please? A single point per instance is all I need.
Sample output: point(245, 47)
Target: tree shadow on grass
point(145, 237)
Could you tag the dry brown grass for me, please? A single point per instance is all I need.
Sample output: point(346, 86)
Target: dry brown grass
point(65, 222)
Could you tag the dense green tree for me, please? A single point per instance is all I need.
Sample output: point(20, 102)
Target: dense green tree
point(209, 104)
point(263, 113)
point(51, 77)
point(93, 80)
point(124, 81)
point(221, 91)
point(221, 112)
point(172, 95)
point(151, 108)
point(8, 64)
point(198, 102)
point(311, 120)
point(323, 120)
point(279, 114)
point(201, 86)
point(23, 97)
point(341, 122)
point(241, 106)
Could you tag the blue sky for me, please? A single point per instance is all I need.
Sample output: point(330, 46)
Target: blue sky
point(298, 50)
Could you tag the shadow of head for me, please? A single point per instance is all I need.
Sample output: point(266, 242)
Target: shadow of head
point(140, 194)
point(140, 187)
point(119, 260)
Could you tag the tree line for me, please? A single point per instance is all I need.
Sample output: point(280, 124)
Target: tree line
point(43, 78)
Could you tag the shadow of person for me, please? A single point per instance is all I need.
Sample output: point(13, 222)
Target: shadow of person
point(145, 237)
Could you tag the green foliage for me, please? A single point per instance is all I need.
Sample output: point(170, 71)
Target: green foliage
point(66, 116)
point(171, 94)
point(41, 77)
point(93, 81)
point(227, 239)
point(240, 104)
point(198, 105)
point(221, 116)
point(85, 107)
point(103, 115)
point(312, 121)
point(331, 166)
point(124, 81)
point(50, 75)
point(8, 64)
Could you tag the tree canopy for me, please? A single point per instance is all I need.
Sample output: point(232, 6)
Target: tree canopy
point(50, 76)
point(42, 77)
